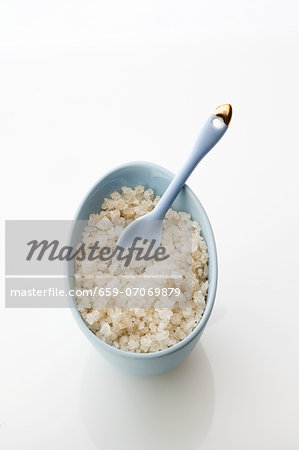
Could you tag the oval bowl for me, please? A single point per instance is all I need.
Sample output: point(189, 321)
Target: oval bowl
point(158, 178)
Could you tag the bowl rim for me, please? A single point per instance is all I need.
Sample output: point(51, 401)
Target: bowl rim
point(213, 265)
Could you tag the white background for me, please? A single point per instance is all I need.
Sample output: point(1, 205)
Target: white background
point(87, 85)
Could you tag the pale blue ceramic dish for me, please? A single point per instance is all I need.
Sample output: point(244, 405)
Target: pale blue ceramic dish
point(157, 178)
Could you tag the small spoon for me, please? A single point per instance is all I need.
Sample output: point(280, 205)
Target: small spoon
point(149, 226)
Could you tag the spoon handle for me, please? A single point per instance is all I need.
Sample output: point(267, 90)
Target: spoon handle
point(211, 132)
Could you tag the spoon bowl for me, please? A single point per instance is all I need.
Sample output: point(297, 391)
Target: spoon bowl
point(146, 228)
